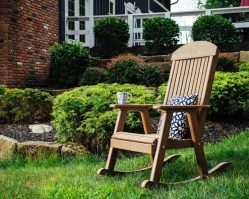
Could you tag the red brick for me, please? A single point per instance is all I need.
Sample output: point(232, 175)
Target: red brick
point(22, 26)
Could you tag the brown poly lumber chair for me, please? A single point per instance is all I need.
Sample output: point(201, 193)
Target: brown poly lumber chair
point(192, 72)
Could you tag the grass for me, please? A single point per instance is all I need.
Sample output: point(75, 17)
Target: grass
point(77, 178)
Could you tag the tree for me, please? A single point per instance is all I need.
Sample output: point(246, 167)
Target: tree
point(220, 3)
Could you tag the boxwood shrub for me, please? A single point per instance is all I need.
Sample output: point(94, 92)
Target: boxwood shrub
point(93, 76)
point(68, 62)
point(84, 115)
point(128, 68)
point(244, 67)
point(112, 34)
point(226, 64)
point(215, 29)
point(125, 69)
point(24, 106)
point(161, 33)
point(230, 94)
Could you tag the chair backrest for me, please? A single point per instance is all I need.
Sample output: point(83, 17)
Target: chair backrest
point(192, 71)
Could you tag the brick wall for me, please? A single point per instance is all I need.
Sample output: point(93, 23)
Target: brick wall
point(27, 29)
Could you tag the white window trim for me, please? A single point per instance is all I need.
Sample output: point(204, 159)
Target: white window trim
point(114, 7)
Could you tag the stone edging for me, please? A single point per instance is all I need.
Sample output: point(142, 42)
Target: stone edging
point(34, 149)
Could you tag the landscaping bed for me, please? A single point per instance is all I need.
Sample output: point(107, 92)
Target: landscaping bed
point(215, 131)
point(22, 133)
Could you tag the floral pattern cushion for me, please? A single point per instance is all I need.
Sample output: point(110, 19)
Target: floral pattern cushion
point(179, 124)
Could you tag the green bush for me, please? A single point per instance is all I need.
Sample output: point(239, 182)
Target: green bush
point(128, 68)
point(161, 33)
point(113, 35)
point(221, 3)
point(151, 75)
point(93, 76)
point(230, 94)
point(125, 69)
point(162, 92)
point(226, 64)
point(25, 106)
point(215, 29)
point(244, 67)
point(84, 115)
point(68, 62)
point(2, 89)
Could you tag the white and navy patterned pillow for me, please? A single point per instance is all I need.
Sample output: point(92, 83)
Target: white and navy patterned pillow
point(179, 124)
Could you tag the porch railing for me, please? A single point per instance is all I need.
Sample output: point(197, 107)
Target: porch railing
point(135, 22)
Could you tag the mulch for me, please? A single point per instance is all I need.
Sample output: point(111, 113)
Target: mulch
point(22, 133)
point(215, 131)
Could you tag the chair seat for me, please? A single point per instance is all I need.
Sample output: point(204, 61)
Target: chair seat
point(144, 143)
point(134, 137)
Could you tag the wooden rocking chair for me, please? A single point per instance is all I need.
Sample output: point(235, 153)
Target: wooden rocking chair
point(192, 72)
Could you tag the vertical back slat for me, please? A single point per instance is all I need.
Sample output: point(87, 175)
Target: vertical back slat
point(191, 75)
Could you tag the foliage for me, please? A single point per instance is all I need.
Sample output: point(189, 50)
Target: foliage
point(244, 67)
point(151, 75)
point(112, 34)
point(125, 69)
point(124, 57)
point(227, 64)
point(25, 106)
point(162, 92)
point(93, 76)
point(128, 68)
point(221, 3)
point(2, 89)
point(215, 29)
point(161, 33)
point(230, 94)
point(68, 62)
point(84, 115)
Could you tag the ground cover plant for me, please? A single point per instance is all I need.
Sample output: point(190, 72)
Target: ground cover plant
point(78, 179)
point(24, 105)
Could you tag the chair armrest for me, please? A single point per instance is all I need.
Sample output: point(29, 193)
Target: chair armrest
point(132, 106)
point(180, 107)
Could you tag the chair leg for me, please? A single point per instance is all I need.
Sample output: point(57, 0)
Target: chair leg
point(112, 157)
point(198, 144)
point(110, 164)
point(160, 152)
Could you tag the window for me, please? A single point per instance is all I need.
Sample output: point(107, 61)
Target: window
point(76, 21)
point(82, 7)
point(82, 38)
point(71, 25)
point(112, 7)
point(71, 7)
point(82, 25)
point(71, 37)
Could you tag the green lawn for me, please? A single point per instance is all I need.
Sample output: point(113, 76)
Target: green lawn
point(77, 178)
